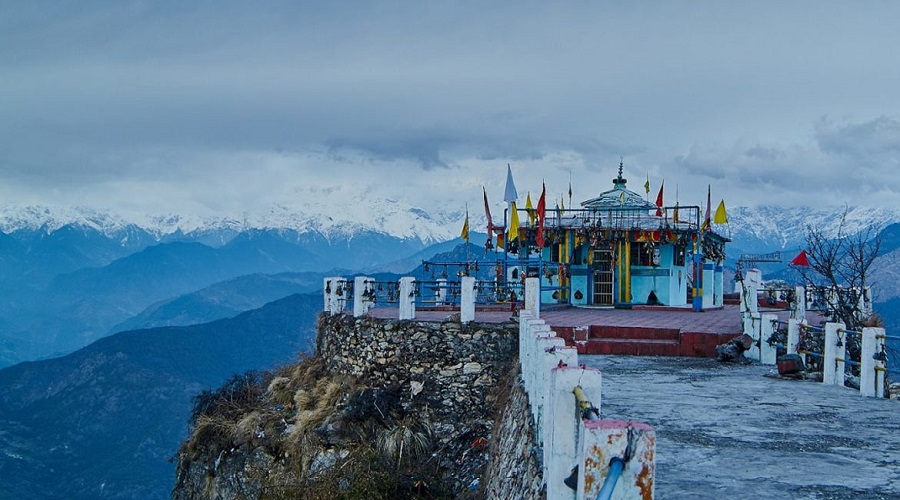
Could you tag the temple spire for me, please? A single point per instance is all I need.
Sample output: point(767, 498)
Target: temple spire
point(620, 181)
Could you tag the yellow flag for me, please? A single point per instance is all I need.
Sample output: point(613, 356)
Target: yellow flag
point(464, 234)
point(721, 217)
point(647, 184)
point(530, 209)
point(513, 222)
point(676, 212)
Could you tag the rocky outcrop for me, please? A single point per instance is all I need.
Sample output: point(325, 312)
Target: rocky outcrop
point(388, 409)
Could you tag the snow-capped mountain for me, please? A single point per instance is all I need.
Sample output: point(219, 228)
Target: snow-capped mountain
point(752, 229)
point(329, 218)
point(770, 228)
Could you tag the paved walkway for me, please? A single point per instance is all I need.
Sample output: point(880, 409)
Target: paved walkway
point(728, 431)
point(726, 319)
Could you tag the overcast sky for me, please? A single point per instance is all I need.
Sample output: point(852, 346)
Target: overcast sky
point(217, 107)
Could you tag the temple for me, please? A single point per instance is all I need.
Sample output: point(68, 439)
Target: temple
point(616, 250)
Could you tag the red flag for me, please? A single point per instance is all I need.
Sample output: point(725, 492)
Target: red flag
point(706, 222)
point(487, 213)
point(541, 210)
point(659, 201)
point(800, 259)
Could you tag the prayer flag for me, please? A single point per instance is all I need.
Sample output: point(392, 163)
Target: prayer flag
point(513, 222)
point(721, 217)
point(647, 184)
point(706, 221)
point(510, 195)
point(659, 200)
point(800, 259)
point(530, 209)
point(487, 213)
point(464, 234)
point(541, 210)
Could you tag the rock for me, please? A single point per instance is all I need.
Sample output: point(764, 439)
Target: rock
point(470, 368)
point(894, 391)
point(733, 350)
point(325, 460)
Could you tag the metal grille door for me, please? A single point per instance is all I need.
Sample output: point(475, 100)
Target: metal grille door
point(603, 278)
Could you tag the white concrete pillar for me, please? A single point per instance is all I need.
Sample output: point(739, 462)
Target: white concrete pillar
point(567, 424)
point(526, 342)
point(560, 356)
point(799, 310)
point(467, 299)
point(833, 363)
point(543, 364)
point(537, 330)
point(341, 292)
point(768, 353)
point(793, 336)
point(440, 293)
point(363, 287)
point(533, 296)
point(719, 289)
point(524, 317)
point(871, 371)
point(407, 298)
point(752, 326)
point(709, 285)
point(603, 440)
point(327, 293)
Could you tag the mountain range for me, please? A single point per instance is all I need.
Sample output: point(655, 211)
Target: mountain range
point(103, 421)
point(69, 276)
point(196, 300)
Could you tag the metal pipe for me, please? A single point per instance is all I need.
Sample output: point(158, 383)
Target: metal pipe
point(616, 465)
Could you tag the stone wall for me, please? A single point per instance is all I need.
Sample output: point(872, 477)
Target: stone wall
point(514, 470)
point(451, 370)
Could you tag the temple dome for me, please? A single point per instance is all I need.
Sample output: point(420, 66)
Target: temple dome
point(618, 198)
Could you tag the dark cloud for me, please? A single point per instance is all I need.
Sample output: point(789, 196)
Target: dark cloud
point(124, 93)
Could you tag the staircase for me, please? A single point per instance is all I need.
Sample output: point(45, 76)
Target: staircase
point(632, 340)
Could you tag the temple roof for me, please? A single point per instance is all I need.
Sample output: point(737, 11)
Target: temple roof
point(618, 198)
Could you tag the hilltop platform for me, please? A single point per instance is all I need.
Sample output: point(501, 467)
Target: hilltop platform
point(641, 331)
point(728, 431)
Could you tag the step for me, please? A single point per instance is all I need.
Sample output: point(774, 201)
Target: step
point(634, 333)
point(630, 347)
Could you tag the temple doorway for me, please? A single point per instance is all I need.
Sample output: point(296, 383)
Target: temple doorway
point(602, 278)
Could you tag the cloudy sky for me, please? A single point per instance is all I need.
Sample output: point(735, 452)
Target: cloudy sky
point(224, 106)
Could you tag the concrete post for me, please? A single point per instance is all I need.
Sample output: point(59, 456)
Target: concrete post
point(467, 299)
point(440, 293)
point(536, 329)
point(327, 293)
point(871, 371)
point(533, 296)
point(799, 310)
point(407, 298)
point(793, 336)
point(567, 424)
point(543, 364)
point(752, 326)
point(558, 357)
point(362, 301)
point(768, 353)
point(524, 317)
point(833, 363)
point(719, 290)
point(340, 295)
point(603, 440)
point(709, 285)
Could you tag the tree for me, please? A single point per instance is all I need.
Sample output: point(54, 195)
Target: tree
point(839, 269)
